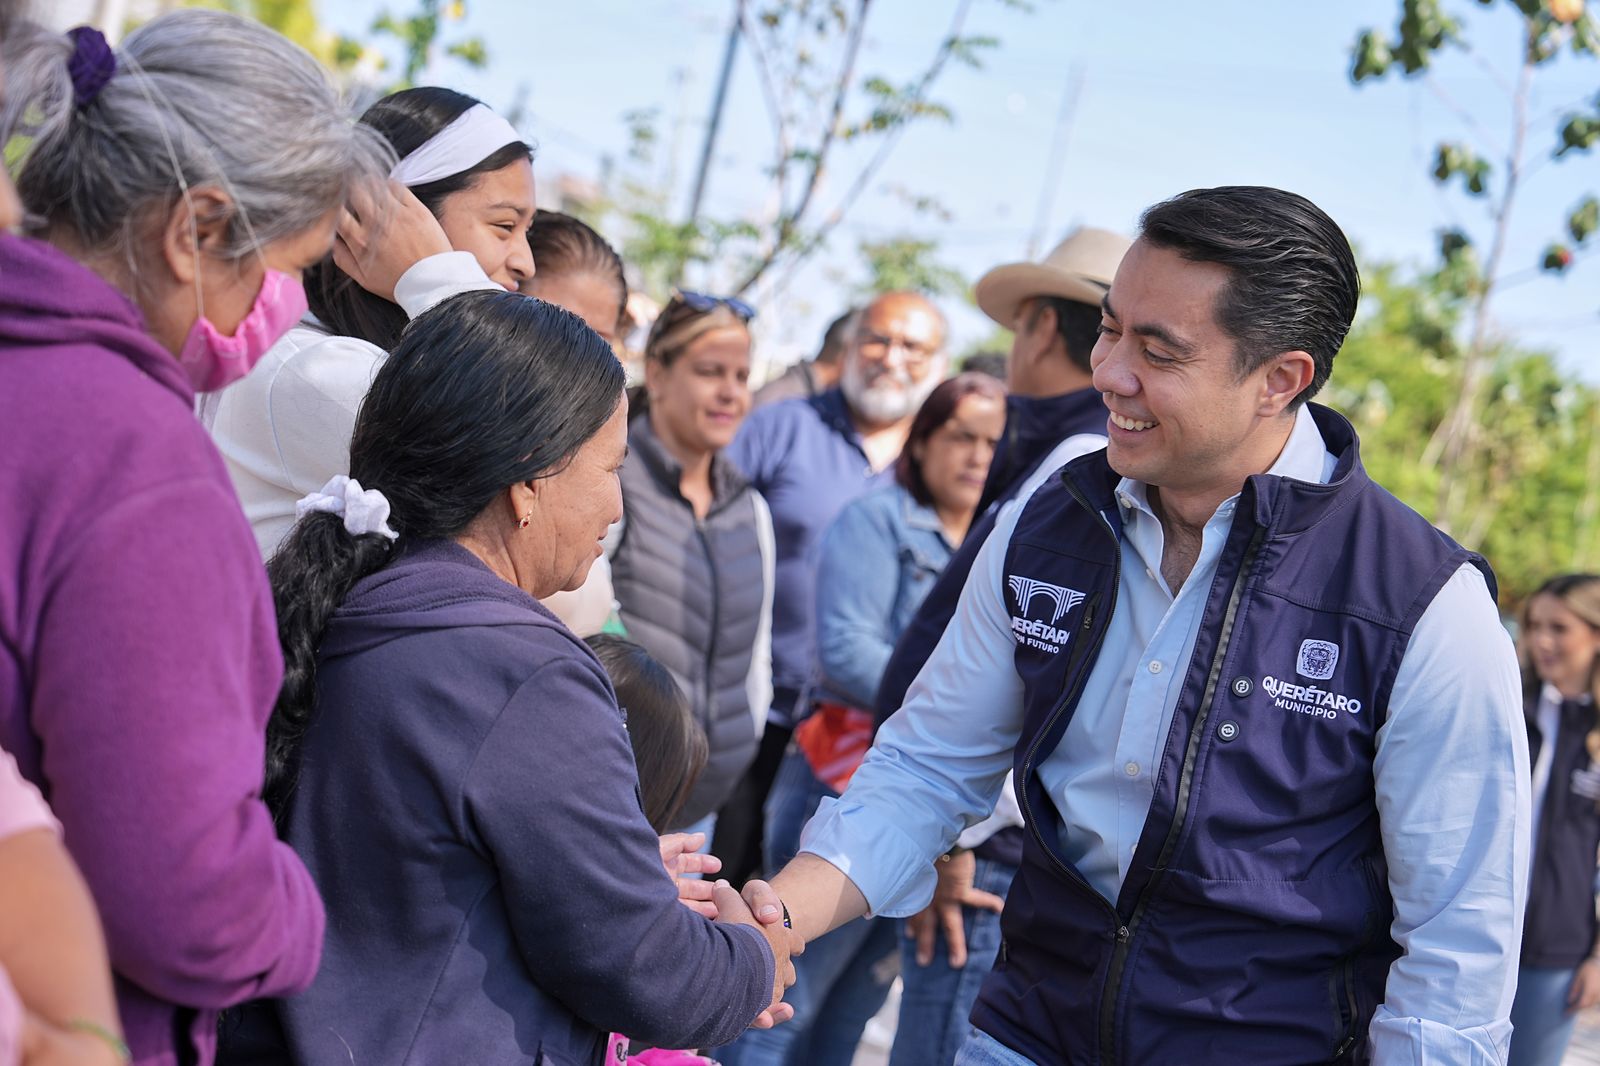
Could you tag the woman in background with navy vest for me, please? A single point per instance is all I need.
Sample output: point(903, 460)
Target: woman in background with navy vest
point(693, 571)
point(1559, 973)
point(877, 562)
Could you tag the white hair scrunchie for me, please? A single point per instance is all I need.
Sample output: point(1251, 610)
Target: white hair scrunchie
point(473, 137)
point(364, 510)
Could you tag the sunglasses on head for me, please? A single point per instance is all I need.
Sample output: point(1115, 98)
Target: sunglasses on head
point(702, 303)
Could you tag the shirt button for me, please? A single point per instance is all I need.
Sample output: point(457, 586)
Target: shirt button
point(1132, 769)
point(1149, 573)
point(1155, 666)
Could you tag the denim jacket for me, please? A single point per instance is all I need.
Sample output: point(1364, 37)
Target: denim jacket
point(878, 560)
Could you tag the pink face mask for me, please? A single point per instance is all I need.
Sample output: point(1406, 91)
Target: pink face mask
point(213, 361)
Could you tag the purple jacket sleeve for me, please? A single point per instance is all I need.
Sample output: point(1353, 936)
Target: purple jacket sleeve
point(157, 664)
point(552, 796)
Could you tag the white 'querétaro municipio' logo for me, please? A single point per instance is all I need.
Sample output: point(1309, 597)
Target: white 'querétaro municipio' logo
point(1036, 632)
point(1317, 659)
point(1316, 662)
point(1026, 588)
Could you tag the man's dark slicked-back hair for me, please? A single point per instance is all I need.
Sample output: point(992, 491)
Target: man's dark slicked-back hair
point(1293, 281)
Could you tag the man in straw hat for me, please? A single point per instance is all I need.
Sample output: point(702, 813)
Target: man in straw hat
point(1053, 415)
point(1265, 723)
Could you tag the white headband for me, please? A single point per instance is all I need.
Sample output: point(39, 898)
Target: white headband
point(473, 137)
point(364, 511)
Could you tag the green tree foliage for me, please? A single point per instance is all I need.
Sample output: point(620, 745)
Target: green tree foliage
point(908, 263)
point(418, 36)
point(1460, 449)
point(1534, 483)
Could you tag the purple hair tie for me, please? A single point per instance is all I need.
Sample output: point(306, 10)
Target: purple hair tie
point(92, 64)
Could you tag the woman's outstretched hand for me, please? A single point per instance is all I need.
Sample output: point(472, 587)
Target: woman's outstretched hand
point(681, 855)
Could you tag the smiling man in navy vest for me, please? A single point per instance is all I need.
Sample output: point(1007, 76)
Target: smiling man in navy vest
point(1264, 721)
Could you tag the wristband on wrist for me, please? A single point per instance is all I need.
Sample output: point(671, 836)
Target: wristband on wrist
point(787, 924)
point(102, 1034)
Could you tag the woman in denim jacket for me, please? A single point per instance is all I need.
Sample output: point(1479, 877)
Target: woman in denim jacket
point(878, 560)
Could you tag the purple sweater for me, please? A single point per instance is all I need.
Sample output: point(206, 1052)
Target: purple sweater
point(467, 800)
point(139, 658)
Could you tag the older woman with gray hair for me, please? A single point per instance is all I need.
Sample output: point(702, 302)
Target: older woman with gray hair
point(174, 190)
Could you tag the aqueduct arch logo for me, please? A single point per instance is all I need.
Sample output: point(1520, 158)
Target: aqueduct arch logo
point(1026, 590)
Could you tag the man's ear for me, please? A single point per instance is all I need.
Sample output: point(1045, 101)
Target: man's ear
point(1287, 376)
point(196, 224)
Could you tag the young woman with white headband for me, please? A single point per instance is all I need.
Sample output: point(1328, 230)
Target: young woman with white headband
point(174, 191)
point(455, 219)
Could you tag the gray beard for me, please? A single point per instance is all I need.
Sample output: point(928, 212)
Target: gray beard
point(880, 405)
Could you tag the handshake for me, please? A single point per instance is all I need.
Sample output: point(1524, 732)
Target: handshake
point(759, 907)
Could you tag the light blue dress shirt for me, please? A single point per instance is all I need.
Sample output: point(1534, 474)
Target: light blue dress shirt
point(1451, 770)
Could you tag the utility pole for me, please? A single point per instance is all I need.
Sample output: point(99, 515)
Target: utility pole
point(1070, 95)
point(715, 121)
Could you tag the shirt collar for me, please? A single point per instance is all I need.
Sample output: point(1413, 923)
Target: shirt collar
point(1305, 457)
point(918, 515)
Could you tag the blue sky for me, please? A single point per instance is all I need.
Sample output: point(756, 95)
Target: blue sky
point(1175, 95)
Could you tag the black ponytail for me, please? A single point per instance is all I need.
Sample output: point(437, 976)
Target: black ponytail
point(311, 574)
point(485, 390)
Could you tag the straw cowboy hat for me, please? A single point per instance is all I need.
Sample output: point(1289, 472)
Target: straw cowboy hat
point(1079, 268)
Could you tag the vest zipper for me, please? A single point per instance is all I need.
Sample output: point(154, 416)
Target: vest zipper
point(1119, 953)
point(1348, 1009)
point(716, 622)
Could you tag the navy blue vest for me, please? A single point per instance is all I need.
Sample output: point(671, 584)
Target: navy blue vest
point(1253, 925)
point(1035, 427)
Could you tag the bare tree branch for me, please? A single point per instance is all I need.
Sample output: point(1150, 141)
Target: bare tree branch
point(1450, 444)
point(885, 146)
point(781, 136)
point(789, 220)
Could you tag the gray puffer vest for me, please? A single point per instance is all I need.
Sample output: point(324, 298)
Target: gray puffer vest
point(693, 593)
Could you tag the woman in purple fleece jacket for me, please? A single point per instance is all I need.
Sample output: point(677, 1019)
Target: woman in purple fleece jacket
point(138, 652)
point(449, 759)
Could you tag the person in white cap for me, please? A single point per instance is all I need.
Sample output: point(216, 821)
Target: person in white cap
point(1054, 414)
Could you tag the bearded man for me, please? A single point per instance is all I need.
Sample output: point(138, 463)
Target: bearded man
point(809, 457)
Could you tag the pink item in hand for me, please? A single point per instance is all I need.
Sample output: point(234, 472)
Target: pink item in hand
point(658, 1056)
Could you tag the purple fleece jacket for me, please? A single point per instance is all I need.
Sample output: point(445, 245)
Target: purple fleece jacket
point(139, 659)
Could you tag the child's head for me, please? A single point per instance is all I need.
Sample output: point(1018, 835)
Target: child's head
point(669, 746)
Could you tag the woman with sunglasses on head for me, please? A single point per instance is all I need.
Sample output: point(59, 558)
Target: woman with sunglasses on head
point(693, 570)
point(454, 218)
point(175, 189)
